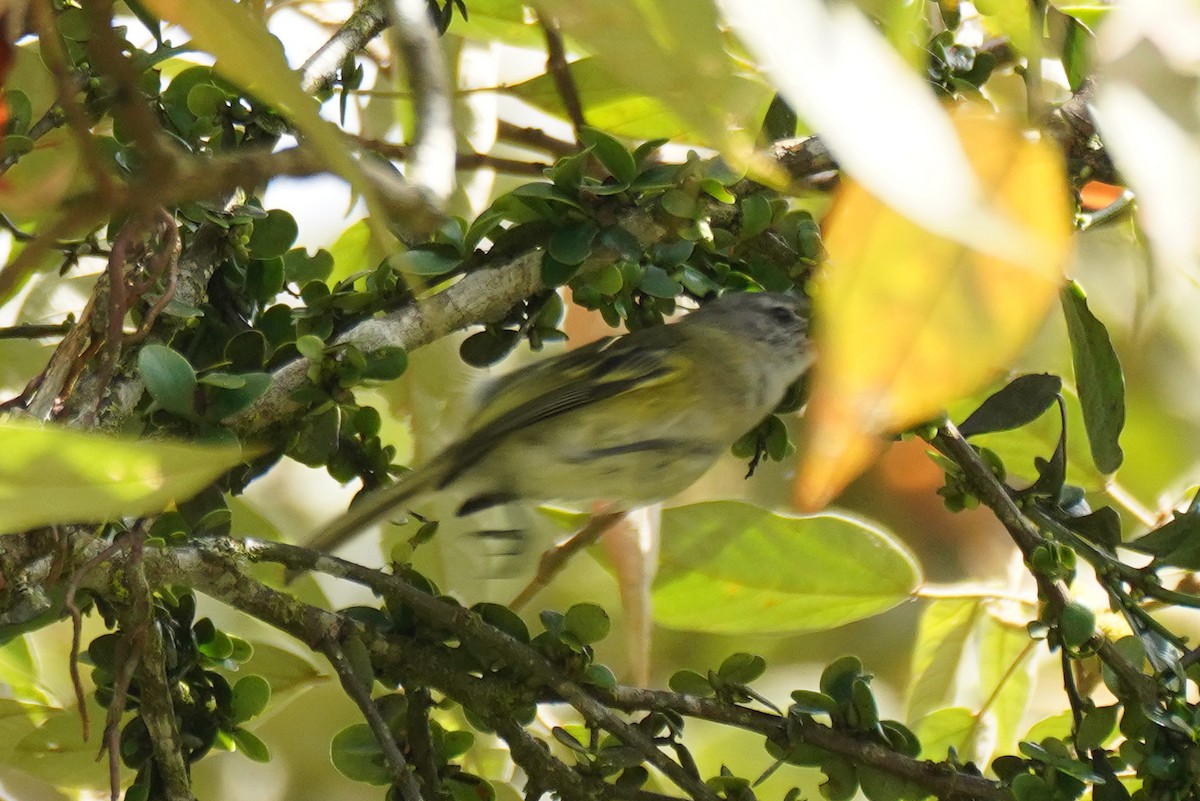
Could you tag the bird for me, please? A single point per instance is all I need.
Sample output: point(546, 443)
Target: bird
point(627, 421)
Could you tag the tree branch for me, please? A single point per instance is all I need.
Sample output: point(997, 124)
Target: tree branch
point(434, 149)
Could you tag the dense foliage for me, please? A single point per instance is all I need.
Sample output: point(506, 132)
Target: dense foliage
point(991, 308)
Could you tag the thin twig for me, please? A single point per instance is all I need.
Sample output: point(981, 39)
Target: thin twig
point(402, 776)
point(560, 70)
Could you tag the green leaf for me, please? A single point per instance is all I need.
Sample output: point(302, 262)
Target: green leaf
point(657, 283)
point(547, 192)
point(250, 745)
point(429, 263)
point(555, 272)
point(1022, 401)
point(249, 56)
point(734, 568)
point(939, 731)
point(273, 236)
point(487, 347)
point(250, 697)
point(1098, 378)
point(386, 363)
point(300, 268)
point(224, 403)
point(938, 652)
point(53, 475)
point(169, 378)
point(756, 215)
point(588, 623)
point(356, 754)
point(611, 153)
point(573, 244)
point(689, 682)
point(680, 204)
point(1005, 677)
point(742, 668)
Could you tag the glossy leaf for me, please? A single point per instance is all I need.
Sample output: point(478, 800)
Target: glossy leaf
point(1098, 379)
point(1022, 401)
point(611, 153)
point(733, 568)
point(907, 321)
point(54, 475)
point(169, 378)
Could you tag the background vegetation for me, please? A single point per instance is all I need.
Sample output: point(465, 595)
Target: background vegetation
point(258, 251)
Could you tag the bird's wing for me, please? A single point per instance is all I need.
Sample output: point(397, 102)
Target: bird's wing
point(623, 366)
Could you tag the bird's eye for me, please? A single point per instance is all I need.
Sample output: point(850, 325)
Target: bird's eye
point(783, 315)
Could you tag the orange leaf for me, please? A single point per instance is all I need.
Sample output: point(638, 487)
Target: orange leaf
point(1096, 195)
point(907, 321)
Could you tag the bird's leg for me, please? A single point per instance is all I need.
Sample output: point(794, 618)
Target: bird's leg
point(554, 560)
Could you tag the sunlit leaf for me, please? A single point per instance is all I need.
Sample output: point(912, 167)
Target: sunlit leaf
point(938, 652)
point(907, 321)
point(1098, 379)
point(621, 109)
point(944, 729)
point(664, 50)
point(734, 568)
point(1005, 678)
point(55, 475)
point(56, 751)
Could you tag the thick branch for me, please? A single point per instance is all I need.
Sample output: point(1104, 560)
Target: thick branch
point(434, 149)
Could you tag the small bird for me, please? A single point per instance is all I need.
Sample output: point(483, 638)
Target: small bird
point(629, 421)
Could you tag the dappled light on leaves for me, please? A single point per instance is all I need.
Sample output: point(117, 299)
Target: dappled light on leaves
point(907, 321)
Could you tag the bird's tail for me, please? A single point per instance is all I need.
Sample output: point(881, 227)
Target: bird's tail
point(371, 508)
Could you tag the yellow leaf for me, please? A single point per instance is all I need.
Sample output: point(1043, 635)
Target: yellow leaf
point(907, 321)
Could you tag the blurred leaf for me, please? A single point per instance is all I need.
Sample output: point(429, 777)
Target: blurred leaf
point(665, 50)
point(939, 731)
point(55, 752)
point(938, 652)
point(623, 110)
point(1010, 19)
point(1005, 679)
point(1089, 12)
point(54, 475)
point(908, 320)
point(1022, 401)
point(819, 54)
point(18, 719)
point(21, 673)
point(1098, 379)
point(354, 251)
point(733, 568)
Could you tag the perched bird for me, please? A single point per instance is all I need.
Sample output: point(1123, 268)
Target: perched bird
point(628, 421)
